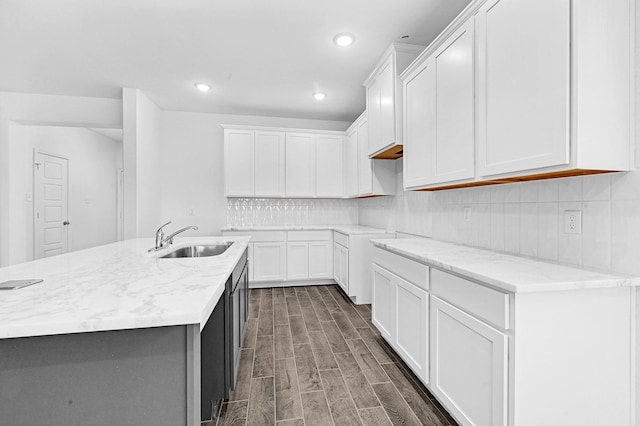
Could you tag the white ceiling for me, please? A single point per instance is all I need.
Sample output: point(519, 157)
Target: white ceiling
point(262, 57)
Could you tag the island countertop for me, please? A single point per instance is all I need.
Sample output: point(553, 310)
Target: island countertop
point(117, 286)
point(505, 272)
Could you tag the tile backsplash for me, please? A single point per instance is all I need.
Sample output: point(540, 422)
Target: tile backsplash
point(268, 211)
point(527, 218)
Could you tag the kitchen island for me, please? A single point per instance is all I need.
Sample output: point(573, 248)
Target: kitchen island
point(111, 336)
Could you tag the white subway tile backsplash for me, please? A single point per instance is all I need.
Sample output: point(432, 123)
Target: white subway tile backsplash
point(548, 231)
point(570, 189)
point(497, 227)
point(625, 186)
point(484, 225)
point(529, 229)
point(512, 227)
point(512, 192)
point(528, 192)
point(596, 187)
point(625, 232)
point(596, 235)
point(548, 190)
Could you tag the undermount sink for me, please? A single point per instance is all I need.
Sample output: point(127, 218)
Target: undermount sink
point(204, 250)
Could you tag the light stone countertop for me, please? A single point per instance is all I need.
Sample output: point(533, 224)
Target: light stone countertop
point(114, 287)
point(509, 273)
point(344, 229)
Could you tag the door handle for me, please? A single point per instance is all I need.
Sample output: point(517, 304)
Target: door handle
point(66, 222)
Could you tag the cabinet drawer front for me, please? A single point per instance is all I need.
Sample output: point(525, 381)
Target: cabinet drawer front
point(483, 302)
point(309, 235)
point(259, 236)
point(341, 239)
point(414, 272)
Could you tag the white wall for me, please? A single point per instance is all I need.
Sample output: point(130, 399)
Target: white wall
point(44, 109)
point(93, 161)
point(192, 154)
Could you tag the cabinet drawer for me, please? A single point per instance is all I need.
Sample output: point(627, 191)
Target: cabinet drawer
point(483, 302)
point(309, 236)
point(414, 272)
point(259, 236)
point(341, 239)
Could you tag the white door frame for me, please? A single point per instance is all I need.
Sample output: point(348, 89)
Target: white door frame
point(36, 195)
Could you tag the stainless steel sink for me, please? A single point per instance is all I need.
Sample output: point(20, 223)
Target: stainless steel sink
point(198, 251)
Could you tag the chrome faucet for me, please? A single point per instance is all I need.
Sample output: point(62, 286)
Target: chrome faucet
point(162, 241)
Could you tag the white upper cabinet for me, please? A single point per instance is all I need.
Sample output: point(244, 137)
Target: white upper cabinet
point(351, 163)
point(301, 165)
point(384, 101)
point(276, 162)
point(269, 160)
point(522, 89)
point(439, 113)
point(329, 170)
point(365, 165)
point(238, 148)
point(524, 105)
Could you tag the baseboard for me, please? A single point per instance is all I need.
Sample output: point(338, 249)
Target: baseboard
point(269, 284)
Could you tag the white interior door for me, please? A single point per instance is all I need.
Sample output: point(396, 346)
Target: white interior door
point(51, 207)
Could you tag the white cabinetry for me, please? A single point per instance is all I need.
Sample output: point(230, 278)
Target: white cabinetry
point(365, 177)
point(384, 101)
point(439, 113)
point(297, 260)
point(269, 158)
point(269, 261)
point(254, 163)
point(238, 149)
point(329, 166)
point(468, 366)
point(400, 308)
point(320, 259)
point(341, 266)
point(275, 162)
point(301, 165)
point(309, 255)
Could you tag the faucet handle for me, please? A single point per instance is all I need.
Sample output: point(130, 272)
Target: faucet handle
point(160, 229)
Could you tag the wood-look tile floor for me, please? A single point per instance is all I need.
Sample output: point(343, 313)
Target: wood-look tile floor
point(311, 357)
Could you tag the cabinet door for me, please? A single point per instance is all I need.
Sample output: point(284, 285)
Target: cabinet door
point(383, 303)
point(297, 261)
point(468, 366)
point(238, 162)
point(344, 268)
point(351, 164)
point(329, 178)
point(387, 83)
point(412, 327)
point(300, 165)
point(523, 91)
point(419, 126)
point(454, 149)
point(320, 261)
point(373, 116)
point(269, 261)
point(365, 166)
point(269, 170)
point(336, 263)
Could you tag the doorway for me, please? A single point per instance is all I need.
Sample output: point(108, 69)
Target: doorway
point(51, 204)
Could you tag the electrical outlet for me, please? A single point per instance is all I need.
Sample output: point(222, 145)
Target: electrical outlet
point(572, 222)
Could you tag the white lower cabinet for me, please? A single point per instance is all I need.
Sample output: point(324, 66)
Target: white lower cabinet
point(341, 266)
point(400, 310)
point(468, 366)
point(269, 260)
point(320, 259)
point(412, 326)
point(297, 260)
point(383, 305)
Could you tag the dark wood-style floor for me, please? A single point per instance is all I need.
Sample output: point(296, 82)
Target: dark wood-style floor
point(313, 358)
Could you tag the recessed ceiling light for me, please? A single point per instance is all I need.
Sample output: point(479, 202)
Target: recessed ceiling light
point(344, 39)
point(318, 96)
point(202, 87)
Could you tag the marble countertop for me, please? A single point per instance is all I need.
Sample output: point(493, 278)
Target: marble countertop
point(509, 273)
point(344, 229)
point(114, 287)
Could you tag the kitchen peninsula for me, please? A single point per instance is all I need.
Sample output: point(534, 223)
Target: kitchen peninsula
point(111, 336)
